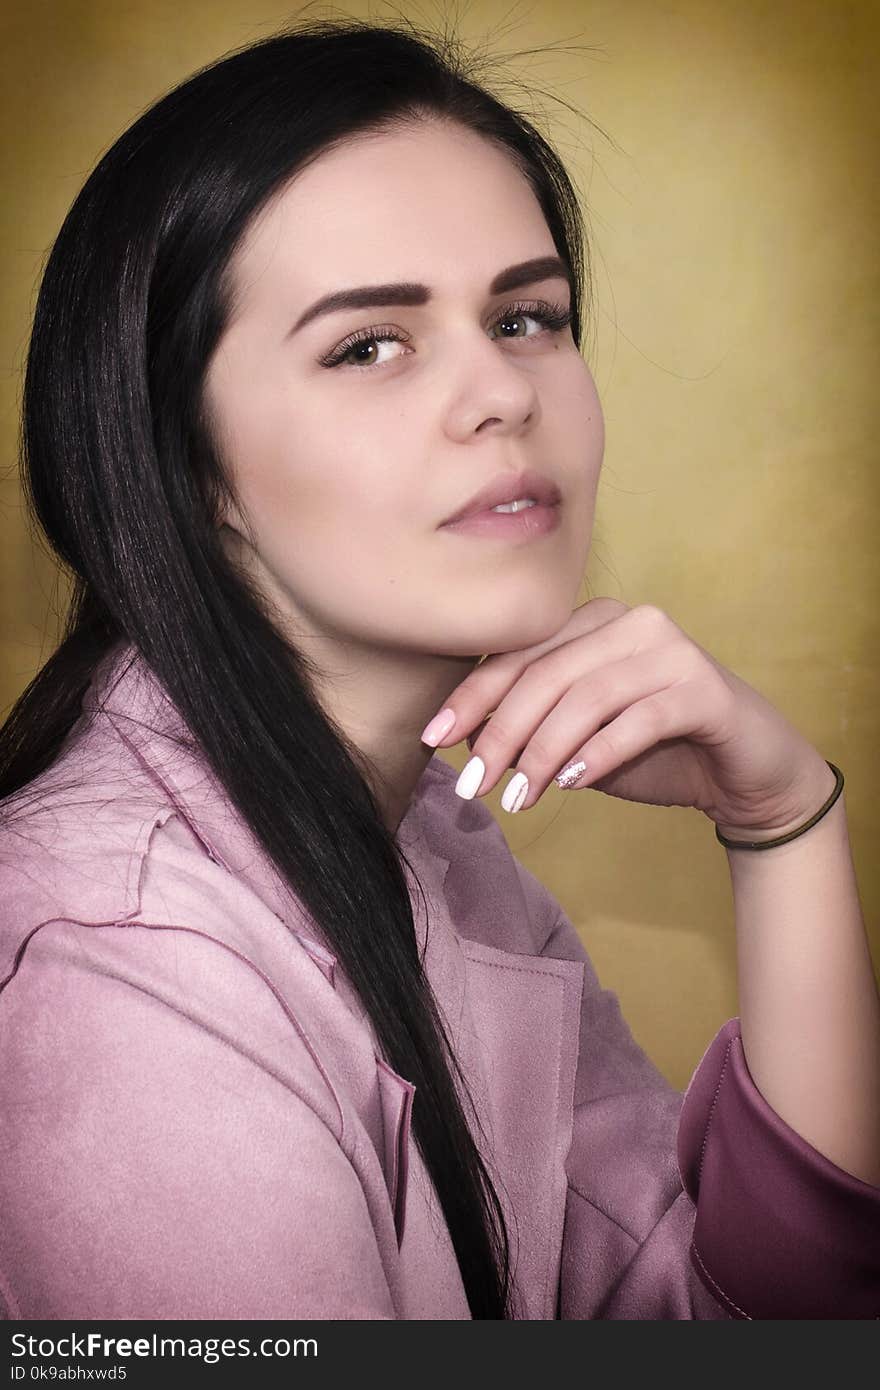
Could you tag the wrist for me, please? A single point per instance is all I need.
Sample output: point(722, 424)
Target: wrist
point(817, 788)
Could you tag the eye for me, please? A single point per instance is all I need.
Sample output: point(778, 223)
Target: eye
point(553, 318)
point(365, 338)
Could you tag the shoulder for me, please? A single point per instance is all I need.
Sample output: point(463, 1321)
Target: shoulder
point(121, 936)
point(124, 833)
point(116, 832)
point(75, 841)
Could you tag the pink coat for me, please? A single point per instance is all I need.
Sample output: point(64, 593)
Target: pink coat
point(196, 1122)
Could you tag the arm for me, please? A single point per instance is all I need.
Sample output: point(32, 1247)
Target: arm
point(809, 1006)
point(702, 1206)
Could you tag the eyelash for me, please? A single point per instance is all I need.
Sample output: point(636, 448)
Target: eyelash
point(554, 317)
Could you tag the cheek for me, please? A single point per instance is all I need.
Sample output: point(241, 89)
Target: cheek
point(575, 424)
point(284, 479)
point(590, 433)
point(586, 401)
point(321, 509)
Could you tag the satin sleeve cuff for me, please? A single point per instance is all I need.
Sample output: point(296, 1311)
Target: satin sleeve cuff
point(780, 1231)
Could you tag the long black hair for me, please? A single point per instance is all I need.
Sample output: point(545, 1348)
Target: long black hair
point(123, 476)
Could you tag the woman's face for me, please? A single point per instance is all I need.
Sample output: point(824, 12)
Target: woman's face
point(344, 474)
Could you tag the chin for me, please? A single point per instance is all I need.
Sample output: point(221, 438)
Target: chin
point(525, 630)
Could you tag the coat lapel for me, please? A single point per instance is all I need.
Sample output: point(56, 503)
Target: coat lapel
point(515, 1023)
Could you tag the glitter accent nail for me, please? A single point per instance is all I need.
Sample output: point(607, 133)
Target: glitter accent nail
point(515, 792)
point(569, 775)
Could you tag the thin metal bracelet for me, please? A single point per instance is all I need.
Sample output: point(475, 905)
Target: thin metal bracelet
point(792, 834)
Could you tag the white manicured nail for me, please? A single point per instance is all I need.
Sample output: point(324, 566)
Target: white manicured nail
point(471, 778)
point(515, 792)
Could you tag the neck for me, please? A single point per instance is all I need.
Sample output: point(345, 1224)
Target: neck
point(382, 701)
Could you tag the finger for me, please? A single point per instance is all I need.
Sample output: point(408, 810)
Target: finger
point(472, 738)
point(608, 638)
point(500, 741)
point(548, 744)
point(666, 714)
point(483, 688)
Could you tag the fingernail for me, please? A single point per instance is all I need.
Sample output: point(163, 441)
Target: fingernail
point(569, 775)
point(438, 728)
point(515, 792)
point(471, 778)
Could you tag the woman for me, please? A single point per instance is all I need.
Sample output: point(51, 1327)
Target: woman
point(319, 301)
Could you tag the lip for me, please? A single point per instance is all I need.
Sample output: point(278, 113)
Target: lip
point(521, 526)
point(509, 487)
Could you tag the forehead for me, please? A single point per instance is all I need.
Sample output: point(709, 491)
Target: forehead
point(436, 203)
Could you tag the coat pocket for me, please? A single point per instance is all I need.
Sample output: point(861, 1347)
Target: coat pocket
point(396, 1101)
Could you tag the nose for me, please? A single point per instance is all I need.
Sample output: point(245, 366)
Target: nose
point(492, 391)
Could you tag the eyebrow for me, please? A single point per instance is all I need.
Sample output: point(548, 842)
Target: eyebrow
point(406, 292)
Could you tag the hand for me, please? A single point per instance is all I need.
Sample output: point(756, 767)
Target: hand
point(651, 715)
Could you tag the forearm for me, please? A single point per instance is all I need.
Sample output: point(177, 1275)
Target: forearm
point(808, 1000)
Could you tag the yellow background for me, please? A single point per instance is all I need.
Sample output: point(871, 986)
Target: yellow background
point(731, 192)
